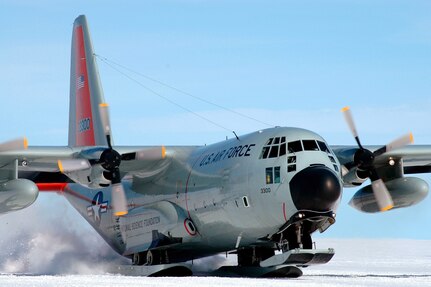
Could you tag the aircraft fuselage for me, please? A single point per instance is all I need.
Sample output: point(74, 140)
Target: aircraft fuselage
point(232, 194)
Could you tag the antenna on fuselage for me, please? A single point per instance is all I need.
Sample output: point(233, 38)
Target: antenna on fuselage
point(235, 135)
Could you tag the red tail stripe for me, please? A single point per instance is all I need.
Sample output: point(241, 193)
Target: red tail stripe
point(84, 118)
point(52, 187)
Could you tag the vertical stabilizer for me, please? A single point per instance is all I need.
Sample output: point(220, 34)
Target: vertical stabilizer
point(85, 125)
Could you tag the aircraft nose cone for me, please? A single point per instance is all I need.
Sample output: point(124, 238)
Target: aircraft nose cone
point(315, 188)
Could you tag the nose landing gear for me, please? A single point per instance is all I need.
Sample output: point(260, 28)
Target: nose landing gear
point(296, 236)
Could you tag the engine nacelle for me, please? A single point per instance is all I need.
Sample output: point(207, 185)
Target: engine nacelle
point(17, 194)
point(405, 191)
point(351, 178)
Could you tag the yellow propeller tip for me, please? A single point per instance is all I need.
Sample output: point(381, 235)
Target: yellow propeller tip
point(103, 105)
point(120, 213)
point(60, 166)
point(390, 206)
point(346, 108)
point(163, 151)
point(25, 143)
point(411, 138)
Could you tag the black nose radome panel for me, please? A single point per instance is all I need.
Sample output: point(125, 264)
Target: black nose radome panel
point(315, 188)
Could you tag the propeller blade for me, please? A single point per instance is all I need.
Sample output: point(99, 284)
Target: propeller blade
point(382, 195)
point(16, 144)
point(400, 142)
point(155, 153)
point(395, 144)
point(104, 116)
point(349, 119)
point(119, 201)
point(72, 165)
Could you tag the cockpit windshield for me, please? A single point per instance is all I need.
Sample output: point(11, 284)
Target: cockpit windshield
point(276, 147)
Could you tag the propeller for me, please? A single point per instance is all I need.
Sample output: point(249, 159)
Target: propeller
point(364, 161)
point(110, 160)
point(16, 144)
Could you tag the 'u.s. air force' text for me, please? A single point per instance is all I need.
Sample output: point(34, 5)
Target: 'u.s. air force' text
point(236, 151)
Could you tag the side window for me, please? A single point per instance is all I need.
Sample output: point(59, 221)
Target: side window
point(291, 168)
point(291, 163)
point(277, 174)
point(269, 175)
point(272, 175)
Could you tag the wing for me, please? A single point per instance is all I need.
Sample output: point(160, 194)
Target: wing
point(41, 164)
point(16, 191)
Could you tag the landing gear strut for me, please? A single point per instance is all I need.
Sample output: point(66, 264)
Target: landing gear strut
point(296, 236)
point(253, 256)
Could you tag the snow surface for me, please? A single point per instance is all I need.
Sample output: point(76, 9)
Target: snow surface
point(358, 262)
point(59, 249)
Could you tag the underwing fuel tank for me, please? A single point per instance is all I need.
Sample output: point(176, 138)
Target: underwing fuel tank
point(405, 191)
point(17, 194)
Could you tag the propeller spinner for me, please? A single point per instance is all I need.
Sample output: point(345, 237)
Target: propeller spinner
point(364, 161)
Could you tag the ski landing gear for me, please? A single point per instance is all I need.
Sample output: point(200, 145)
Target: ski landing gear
point(154, 263)
point(151, 257)
point(263, 262)
point(161, 270)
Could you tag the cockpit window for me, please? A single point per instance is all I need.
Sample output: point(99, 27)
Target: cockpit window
point(277, 147)
point(274, 147)
point(310, 145)
point(323, 147)
point(274, 151)
point(265, 152)
point(282, 149)
point(294, 146)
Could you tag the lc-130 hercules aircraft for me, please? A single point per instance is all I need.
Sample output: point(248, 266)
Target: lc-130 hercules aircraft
point(259, 196)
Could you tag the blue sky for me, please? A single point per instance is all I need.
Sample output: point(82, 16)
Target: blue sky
point(289, 63)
